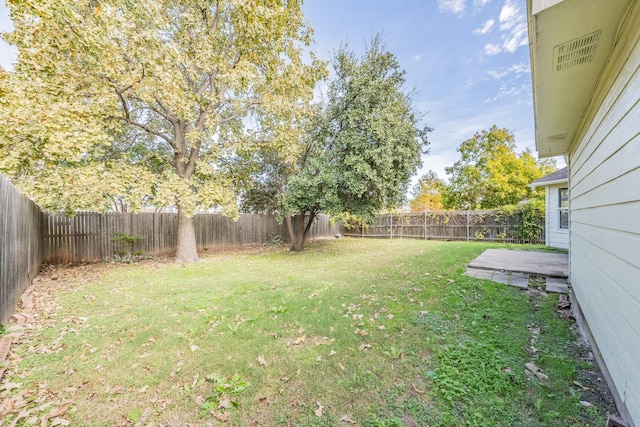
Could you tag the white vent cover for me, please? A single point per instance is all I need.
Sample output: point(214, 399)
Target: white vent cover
point(575, 52)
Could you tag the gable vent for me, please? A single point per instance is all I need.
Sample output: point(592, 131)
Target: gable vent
point(575, 52)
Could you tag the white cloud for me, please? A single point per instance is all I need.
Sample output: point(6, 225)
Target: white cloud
point(511, 90)
point(480, 2)
point(518, 37)
point(513, 28)
point(417, 57)
point(456, 7)
point(509, 15)
point(515, 69)
point(492, 49)
point(486, 27)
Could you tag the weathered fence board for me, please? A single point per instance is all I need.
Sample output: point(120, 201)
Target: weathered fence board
point(450, 225)
point(21, 251)
point(93, 236)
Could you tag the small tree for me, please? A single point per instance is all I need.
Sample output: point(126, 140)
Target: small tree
point(359, 151)
point(427, 193)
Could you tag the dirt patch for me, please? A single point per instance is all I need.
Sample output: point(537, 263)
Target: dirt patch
point(590, 379)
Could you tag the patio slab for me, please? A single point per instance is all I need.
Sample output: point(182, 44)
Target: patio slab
point(518, 280)
point(546, 264)
point(556, 285)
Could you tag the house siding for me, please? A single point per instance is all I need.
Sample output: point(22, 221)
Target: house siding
point(604, 165)
point(556, 237)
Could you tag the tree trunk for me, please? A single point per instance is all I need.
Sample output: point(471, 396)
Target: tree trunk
point(187, 252)
point(298, 232)
point(295, 226)
point(290, 229)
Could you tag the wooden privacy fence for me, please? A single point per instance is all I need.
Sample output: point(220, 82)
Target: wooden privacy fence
point(29, 237)
point(21, 252)
point(494, 226)
point(97, 236)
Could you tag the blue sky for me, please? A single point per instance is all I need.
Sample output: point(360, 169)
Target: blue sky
point(468, 61)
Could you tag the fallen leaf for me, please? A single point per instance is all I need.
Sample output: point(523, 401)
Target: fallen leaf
point(300, 340)
point(262, 361)
point(318, 411)
point(347, 420)
point(10, 386)
point(297, 402)
point(332, 353)
point(222, 417)
point(364, 346)
point(318, 359)
point(225, 404)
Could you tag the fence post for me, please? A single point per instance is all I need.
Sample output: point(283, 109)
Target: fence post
point(391, 226)
point(425, 224)
point(362, 229)
point(467, 225)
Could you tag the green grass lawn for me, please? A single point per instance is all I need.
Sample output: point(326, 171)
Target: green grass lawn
point(350, 332)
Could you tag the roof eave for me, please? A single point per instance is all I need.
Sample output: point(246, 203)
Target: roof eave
point(547, 183)
point(562, 91)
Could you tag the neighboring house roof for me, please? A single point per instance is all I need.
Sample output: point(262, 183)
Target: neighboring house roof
point(558, 177)
point(570, 43)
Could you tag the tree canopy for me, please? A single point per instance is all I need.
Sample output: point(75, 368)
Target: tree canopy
point(427, 193)
point(490, 173)
point(148, 101)
point(360, 148)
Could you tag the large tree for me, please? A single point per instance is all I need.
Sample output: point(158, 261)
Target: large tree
point(360, 148)
point(147, 101)
point(490, 173)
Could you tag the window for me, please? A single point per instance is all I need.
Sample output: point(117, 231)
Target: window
point(563, 208)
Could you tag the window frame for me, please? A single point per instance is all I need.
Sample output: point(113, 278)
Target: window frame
point(563, 211)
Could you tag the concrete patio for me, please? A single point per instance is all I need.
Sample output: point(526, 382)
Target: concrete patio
point(514, 268)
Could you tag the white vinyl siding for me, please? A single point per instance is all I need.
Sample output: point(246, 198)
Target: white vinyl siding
point(605, 222)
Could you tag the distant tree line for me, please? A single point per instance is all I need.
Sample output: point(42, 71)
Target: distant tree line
point(490, 174)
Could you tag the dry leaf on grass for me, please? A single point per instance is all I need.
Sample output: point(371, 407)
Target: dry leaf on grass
point(262, 361)
point(10, 386)
point(225, 404)
point(364, 346)
point(318, 411)
point(300, 340)
point(346, 419)
point(222, 416)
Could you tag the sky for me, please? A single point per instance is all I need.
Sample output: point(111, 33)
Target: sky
point(467, 61)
